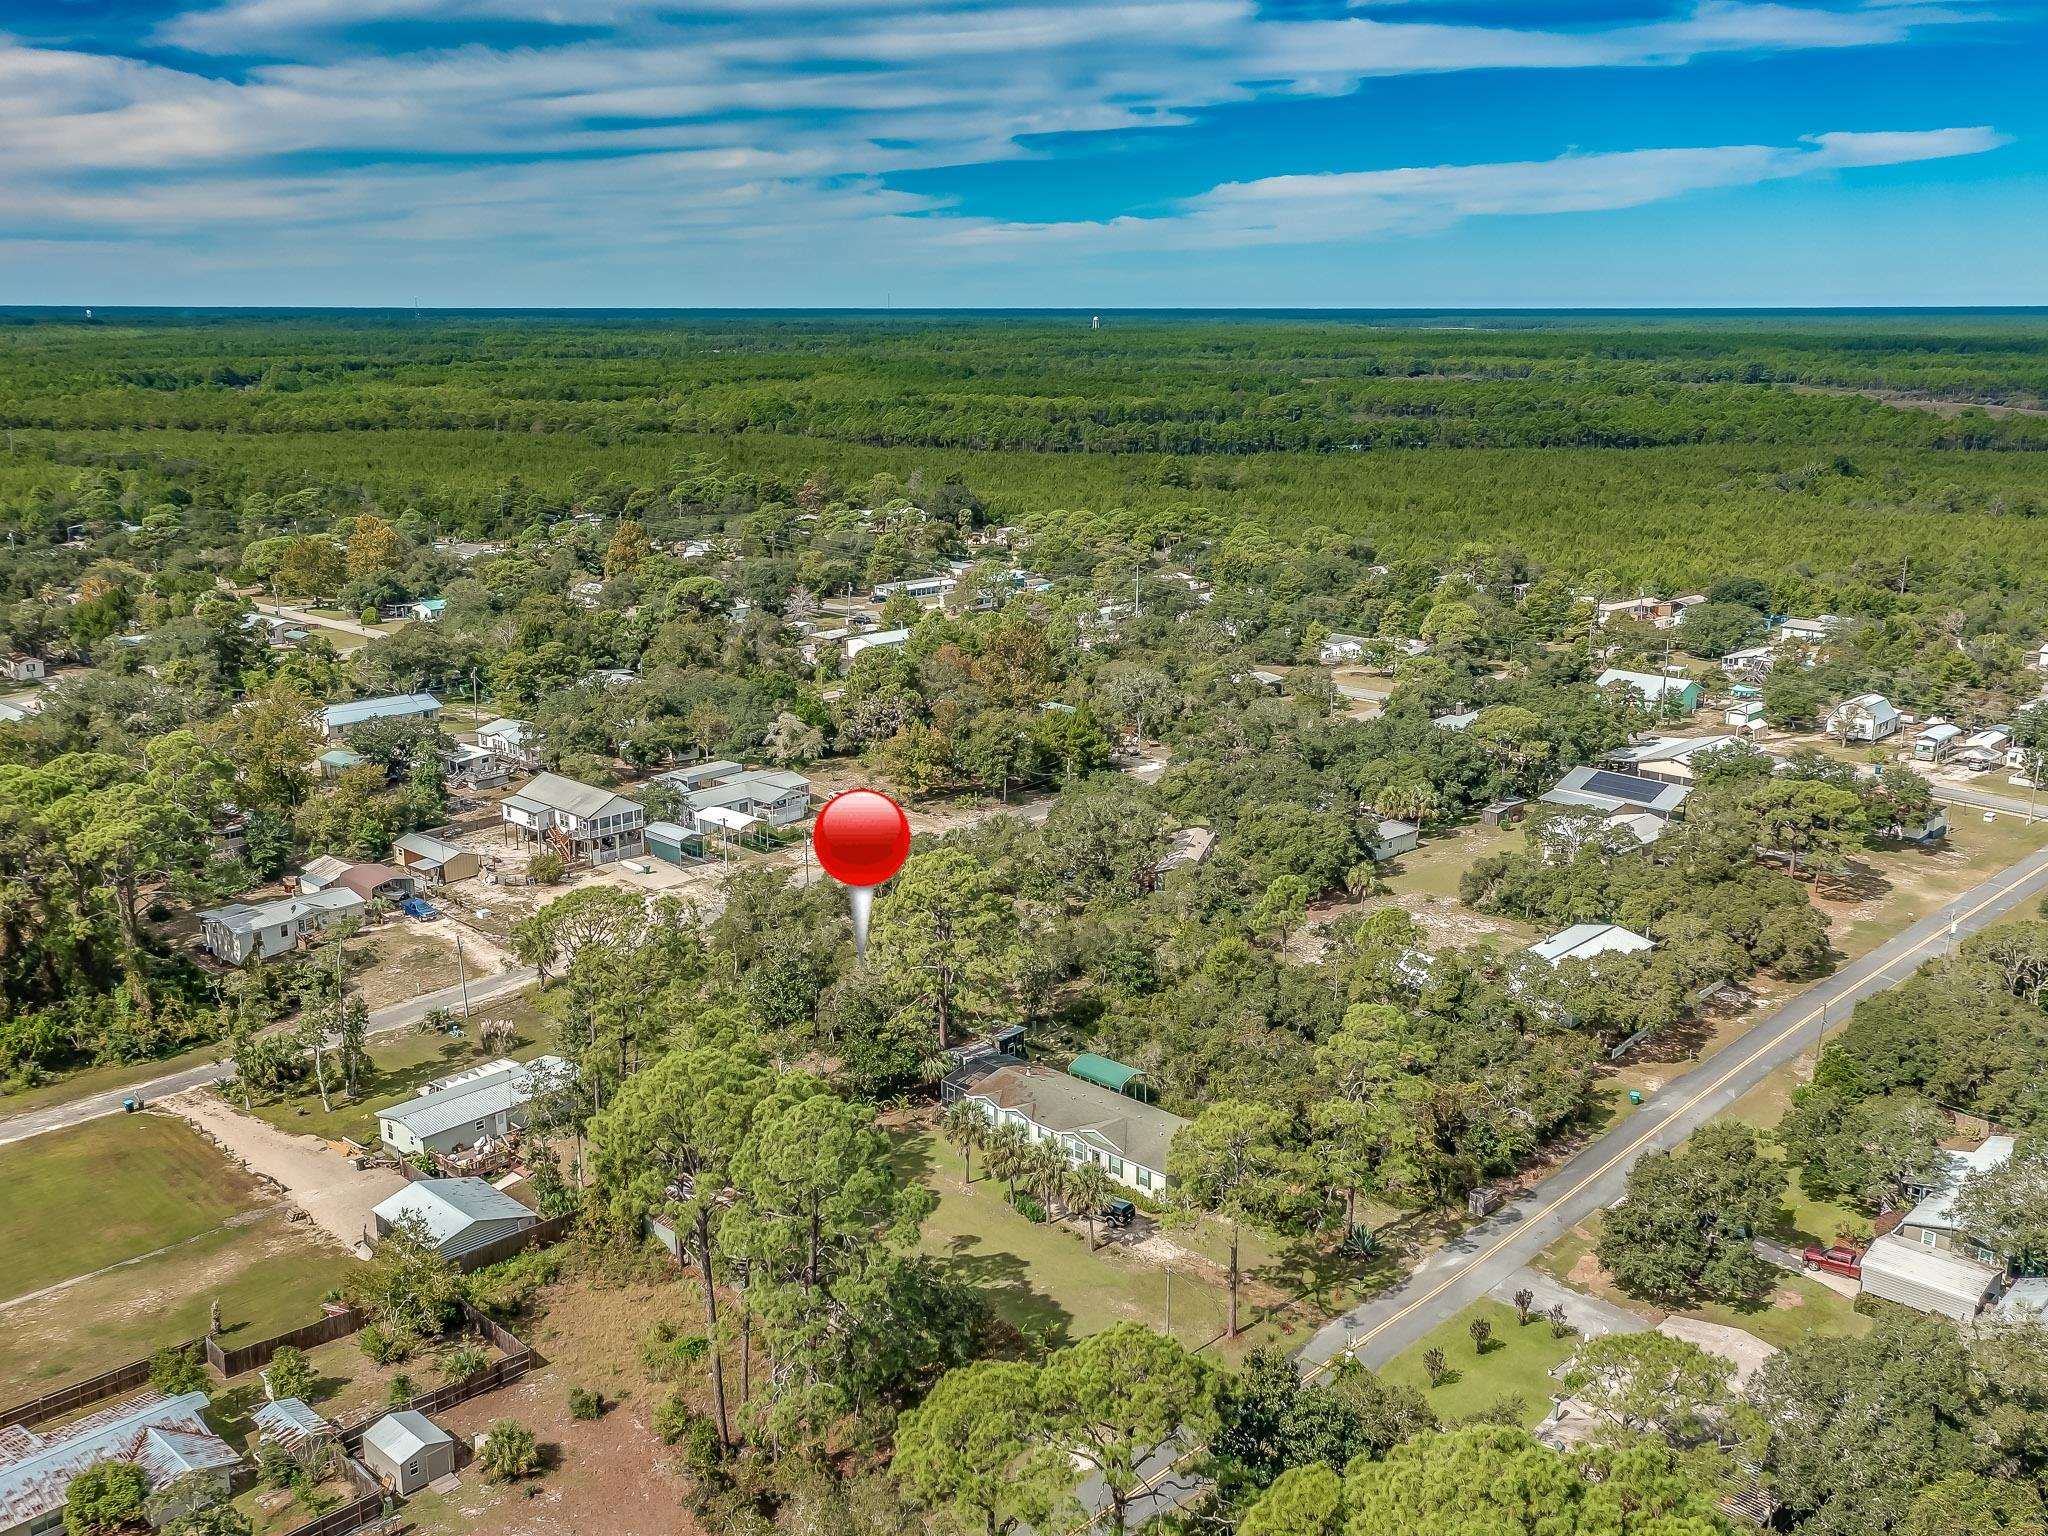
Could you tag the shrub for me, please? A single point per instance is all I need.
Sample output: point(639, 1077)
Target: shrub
point(1525, 1305)
point(463, 1362)
point(383, 1345)
point(585, 1404)
point(703, 1456)
point(666, 1354)
point(174, 1371)
point(1029, 1208)
point(547, 869)
point(507, 1289)
point(105, 1497)
point(1560, 1325)
point(289, 1374)
point(672, 1419)
point(1482, 1334)
point(509, 1451)
point(401, 1391)
point(1436, 1365)
point(274, 1469)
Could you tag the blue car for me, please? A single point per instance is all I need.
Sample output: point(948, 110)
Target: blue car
point(412, 906)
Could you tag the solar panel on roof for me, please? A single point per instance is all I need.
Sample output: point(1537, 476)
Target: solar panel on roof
point(1624, 786)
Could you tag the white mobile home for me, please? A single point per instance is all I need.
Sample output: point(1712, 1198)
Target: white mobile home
point(235, 932)
point(462, 1110)
point(1124, 1136)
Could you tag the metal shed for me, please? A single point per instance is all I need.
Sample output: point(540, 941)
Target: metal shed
point(408, 1450)
point(1926, 1279)
point(1103, 1072)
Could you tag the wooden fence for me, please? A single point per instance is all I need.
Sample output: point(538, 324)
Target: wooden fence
point(539, 1235)
point(235, 1362)
point(80, 1394)
point(368, 1505)
point(515, 1361)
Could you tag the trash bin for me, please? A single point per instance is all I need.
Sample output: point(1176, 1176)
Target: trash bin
point(1635, 1095)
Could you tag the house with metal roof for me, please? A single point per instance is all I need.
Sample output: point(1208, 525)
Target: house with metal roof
point(1927, 1279)
point(1932, 1222)
point(336, 718)
point(512, 741)
point(460, 1215)
point(1660, 693)
point(1587, 941)
point(433, 860)
point(164, 1436)
point(1936, 741)
point(1613, 793)
point(1867, 717)
point(1126, 1137)
point(583, 823)
point(460, 1111)
point(1671, 758)
point(855, 644)
point(240, 929)
point(1389, 839)
point(407, 1450)
point(289, 1424)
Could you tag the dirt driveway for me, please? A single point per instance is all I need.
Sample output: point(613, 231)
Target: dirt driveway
point(319, 1181)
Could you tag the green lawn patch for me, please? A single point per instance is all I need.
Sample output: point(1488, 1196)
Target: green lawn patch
point(1517, 1363)
point(64, 1087)
point(401, 1068)
point(73, 1201)
point(1041, 1279)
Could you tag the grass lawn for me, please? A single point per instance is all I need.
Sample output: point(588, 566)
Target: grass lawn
point(1043, 1281)
point(1517, 1363)
point(1794, 1307)
point(73, 1201)
point(1436, 866)
point(269, 1274)
point(1903, 885)
point(402, 1066)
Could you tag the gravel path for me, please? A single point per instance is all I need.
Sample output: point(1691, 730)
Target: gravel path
point(318, 1181)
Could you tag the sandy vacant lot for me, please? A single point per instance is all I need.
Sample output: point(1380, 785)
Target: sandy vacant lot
point(318, 1180)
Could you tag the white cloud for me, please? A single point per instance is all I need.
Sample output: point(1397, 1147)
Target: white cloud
point(1367, 205)
point(732, 124)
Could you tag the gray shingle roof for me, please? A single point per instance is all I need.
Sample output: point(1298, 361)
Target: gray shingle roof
point(1133, 1129)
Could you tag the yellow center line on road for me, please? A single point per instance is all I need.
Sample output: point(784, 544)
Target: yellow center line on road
point(1941, 935)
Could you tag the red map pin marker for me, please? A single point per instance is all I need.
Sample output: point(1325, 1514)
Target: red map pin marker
point(862, 838)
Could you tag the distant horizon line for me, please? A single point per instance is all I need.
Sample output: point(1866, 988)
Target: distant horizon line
point(1084, 311)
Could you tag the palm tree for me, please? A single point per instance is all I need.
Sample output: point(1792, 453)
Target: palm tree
point(1007, 1148)
point(1089, 1191)
point(1047, 1172)
point(967, 1128)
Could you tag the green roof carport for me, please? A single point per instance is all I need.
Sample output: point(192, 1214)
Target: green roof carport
point(1103, 1072)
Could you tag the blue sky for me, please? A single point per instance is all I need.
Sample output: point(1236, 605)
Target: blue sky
point(1023, 152)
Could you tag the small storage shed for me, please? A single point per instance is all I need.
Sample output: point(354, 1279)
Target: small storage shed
point(673, 844)
point(408, 1450)
point(1504, 812)
point(291, 1426)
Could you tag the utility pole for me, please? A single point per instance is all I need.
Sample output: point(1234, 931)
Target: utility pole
point(462, 970)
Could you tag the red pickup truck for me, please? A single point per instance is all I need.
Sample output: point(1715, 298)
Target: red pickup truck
point(1842, 1261)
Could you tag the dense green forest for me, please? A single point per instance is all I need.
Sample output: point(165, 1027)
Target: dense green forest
point(1643, 449)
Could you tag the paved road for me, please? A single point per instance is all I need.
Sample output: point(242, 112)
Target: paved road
point(56, 1117)
point(1985, 800)
point(1489, 1252)
point(1493, 1252)
point(319, 620)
